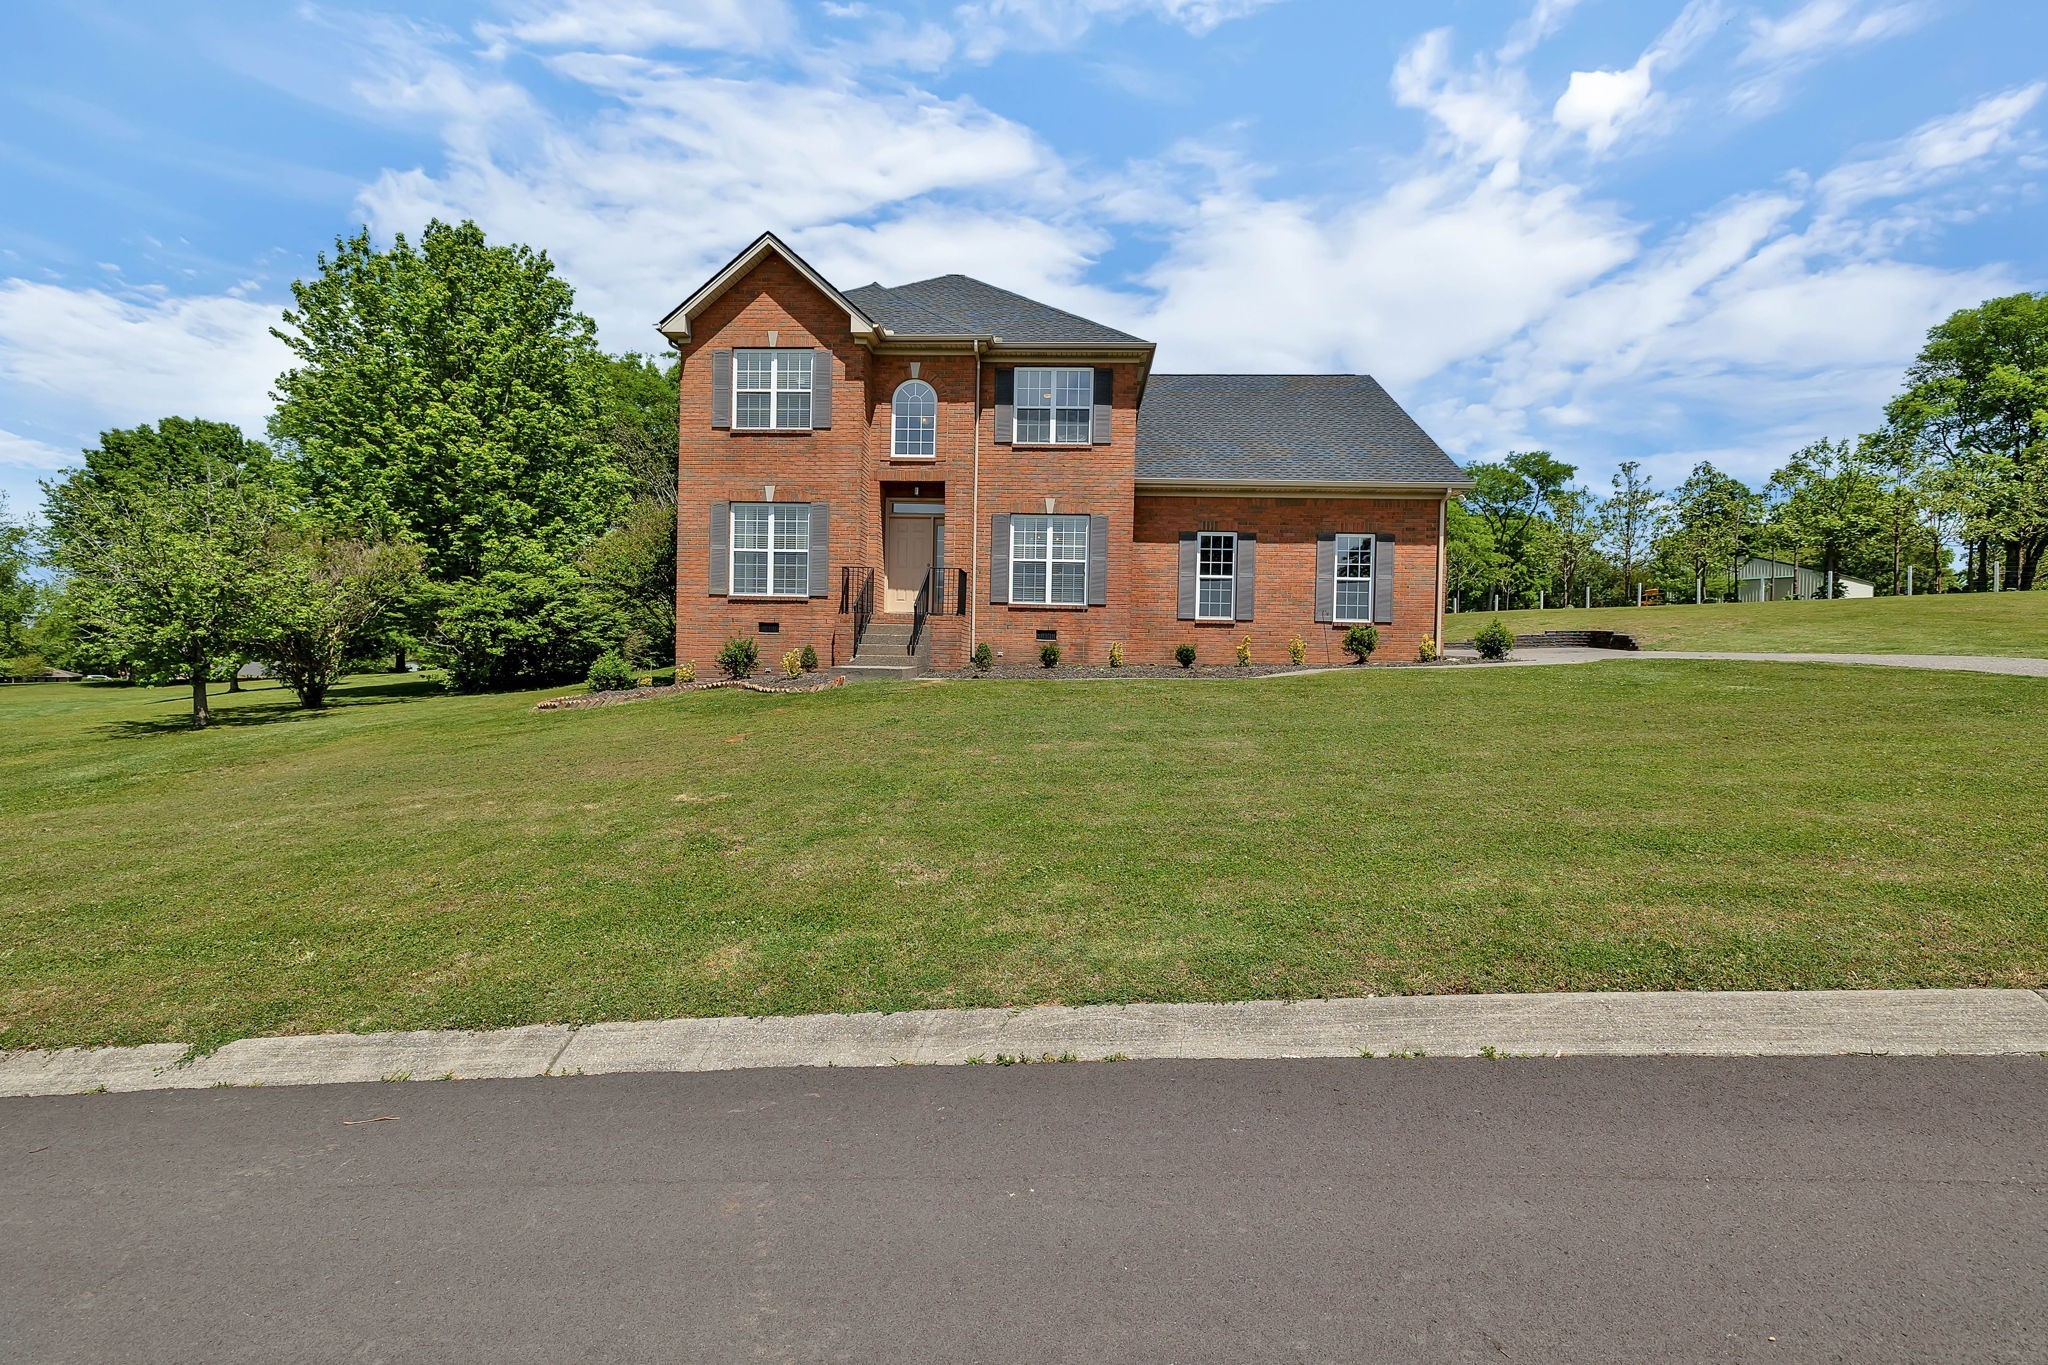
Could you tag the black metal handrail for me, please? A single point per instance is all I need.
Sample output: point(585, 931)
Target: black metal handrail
point(857, 598)
point(943, 593)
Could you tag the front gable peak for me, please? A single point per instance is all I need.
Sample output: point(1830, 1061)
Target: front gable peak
point(676, 326)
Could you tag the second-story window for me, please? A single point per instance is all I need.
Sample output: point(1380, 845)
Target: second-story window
point(1055, 407)
point(771, 389)
point(916, 406)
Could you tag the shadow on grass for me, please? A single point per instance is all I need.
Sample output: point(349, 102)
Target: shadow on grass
point(230, 711)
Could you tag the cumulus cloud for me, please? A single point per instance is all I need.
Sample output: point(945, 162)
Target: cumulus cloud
point(1601, 105)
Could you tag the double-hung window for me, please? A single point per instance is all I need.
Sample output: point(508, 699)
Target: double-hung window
point(1216, 576)
point(1049, 560)
point(771, 549)
point(771, 389)
point(1054, 407)
point(1354, 578)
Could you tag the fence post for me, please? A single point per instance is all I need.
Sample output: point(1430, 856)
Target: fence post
point(1539, 599)
point(1639, 594)
point(1589, 597)
point(1909, 580)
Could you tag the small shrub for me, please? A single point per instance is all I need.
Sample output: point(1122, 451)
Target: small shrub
point(1244, 652)
point(984, 657)
point(686, 673)
point(1495, 641)
point(1427, 652)
point(1361, 641)
point(611, 673)
point(1049, 654)
point(1116, 653)
point(1184, 655)
point(1297, 651)
point(808, 657)
point(738, 656)
point(793, 665)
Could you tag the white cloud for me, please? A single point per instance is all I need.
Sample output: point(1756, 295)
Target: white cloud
point(988, 26)
point(1935, 151)
point(1479, 112)
point(642, 25)
point(1601, 105)
point(122, 359)
point(1544, 18)
point(22, 452)
point(1779, 49)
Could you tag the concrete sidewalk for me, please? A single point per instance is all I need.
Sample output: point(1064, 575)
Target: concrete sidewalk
point(1653, 1023)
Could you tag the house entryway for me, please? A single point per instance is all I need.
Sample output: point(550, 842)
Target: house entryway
point(913, 540)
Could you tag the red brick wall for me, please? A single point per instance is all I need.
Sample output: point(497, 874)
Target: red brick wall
point(1286, 575)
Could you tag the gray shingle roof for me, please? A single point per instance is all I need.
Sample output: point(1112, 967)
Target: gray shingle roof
point(1336, 428)
point(956, 305)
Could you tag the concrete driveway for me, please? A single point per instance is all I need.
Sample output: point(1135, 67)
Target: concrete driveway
point(1582, 1209)
point(1947, 663)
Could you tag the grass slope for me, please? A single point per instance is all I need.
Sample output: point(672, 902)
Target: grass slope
point(408, 860)
point(2009, 623)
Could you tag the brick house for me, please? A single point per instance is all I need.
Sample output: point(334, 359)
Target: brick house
point(892, 474)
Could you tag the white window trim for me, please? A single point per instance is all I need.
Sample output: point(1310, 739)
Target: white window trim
point(1230, 578)
point(774, 389)
point(733, 551)
point(1053, 413)
point(1049, 561)
point(1371, 579)
point(895, 453)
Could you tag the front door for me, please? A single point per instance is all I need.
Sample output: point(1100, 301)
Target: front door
point(908, 543)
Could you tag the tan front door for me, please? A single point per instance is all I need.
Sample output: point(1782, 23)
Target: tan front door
point(908, 542)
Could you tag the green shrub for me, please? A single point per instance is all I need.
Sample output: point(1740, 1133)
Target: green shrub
point(1427, 652)
point(984, 657)
point(1244, 652)
point(686, 673)
point(808, 658)
point(1495, 641)
point(1184, 655)
point(1116, 653)
point(1049, 654)
point(1297, 650)
point(793, 664)
point(611, 673)
point(527, 618)
point(1361, 641)
point(738, 656)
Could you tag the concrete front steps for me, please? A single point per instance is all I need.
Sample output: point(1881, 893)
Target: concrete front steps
point(884, 652)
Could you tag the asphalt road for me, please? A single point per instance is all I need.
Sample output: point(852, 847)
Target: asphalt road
point(1416, 1210)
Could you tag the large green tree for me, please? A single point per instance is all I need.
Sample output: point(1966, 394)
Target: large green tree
point(1978, 397)
point(1631, 522)
point(1512, 497)
point(1827, 503)
point(18, 591)
point(447, 392)
point(324, 598)
point(1712, 515)
point(176, 452)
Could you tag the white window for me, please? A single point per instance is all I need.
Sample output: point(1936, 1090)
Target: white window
point(771, 389)
point(1354, 578)
point(1049, 560)
point(917, 421)
point(1054, 407)
point(771, 549)
point(1216, 576)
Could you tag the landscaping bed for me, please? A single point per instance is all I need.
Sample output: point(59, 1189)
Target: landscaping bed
point(581, 701)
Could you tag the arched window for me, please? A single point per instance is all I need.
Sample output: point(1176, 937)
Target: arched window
point(917, 420)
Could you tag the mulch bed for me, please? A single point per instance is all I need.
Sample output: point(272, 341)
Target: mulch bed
point(581, 701)
point(1200, 673)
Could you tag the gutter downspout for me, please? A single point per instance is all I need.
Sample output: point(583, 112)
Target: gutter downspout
point(974, 526)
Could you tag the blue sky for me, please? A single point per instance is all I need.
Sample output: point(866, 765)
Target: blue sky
point(1612, 228)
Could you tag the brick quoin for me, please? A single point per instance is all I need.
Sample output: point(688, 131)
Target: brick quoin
point(851, 468)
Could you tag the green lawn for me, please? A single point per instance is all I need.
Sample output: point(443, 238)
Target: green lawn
point(2014, 623)
point(412, 860)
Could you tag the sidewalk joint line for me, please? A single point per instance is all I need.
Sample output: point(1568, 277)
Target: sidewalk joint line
point(553, 1061)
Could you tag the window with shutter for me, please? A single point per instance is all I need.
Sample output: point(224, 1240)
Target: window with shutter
point(1049, 560)
point(772, 389)
point(1353, 579)
point(771, 549)
point(1216, 576)
point(1053, 407)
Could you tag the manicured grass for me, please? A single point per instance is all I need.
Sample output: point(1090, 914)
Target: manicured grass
point(408, 860)
point(2010, 623)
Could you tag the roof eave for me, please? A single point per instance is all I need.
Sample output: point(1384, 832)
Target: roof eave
point(676, 325)
point(1252, 484)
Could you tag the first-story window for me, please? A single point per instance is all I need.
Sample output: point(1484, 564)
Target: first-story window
point(1216, 576)
point(771, 549)
point(1049, 560)
point(1354, 578)
point(771, 389)
point(1054, 407)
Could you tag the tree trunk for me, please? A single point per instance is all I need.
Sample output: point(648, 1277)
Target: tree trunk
point(2030, 562)
point(398, 660)
point(201, 716)
point(313, 696)
point(235, 681)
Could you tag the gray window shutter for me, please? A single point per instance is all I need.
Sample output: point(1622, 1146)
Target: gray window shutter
point(1383, 580)
point(1247, 571)
point(1098, 560)
point(821, 397)
point(1105, 392)
point(821, 547)
point(1189, 545)
point(1326, 575)
point(1006, 405)
point(999, 558)
point(721, 539)
point(721, 388)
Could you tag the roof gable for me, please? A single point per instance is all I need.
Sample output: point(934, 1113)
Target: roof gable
point(676, 326)
point(960, 305)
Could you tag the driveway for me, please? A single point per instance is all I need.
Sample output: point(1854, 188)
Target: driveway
point(1585, 1209)
point(1953, 663)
